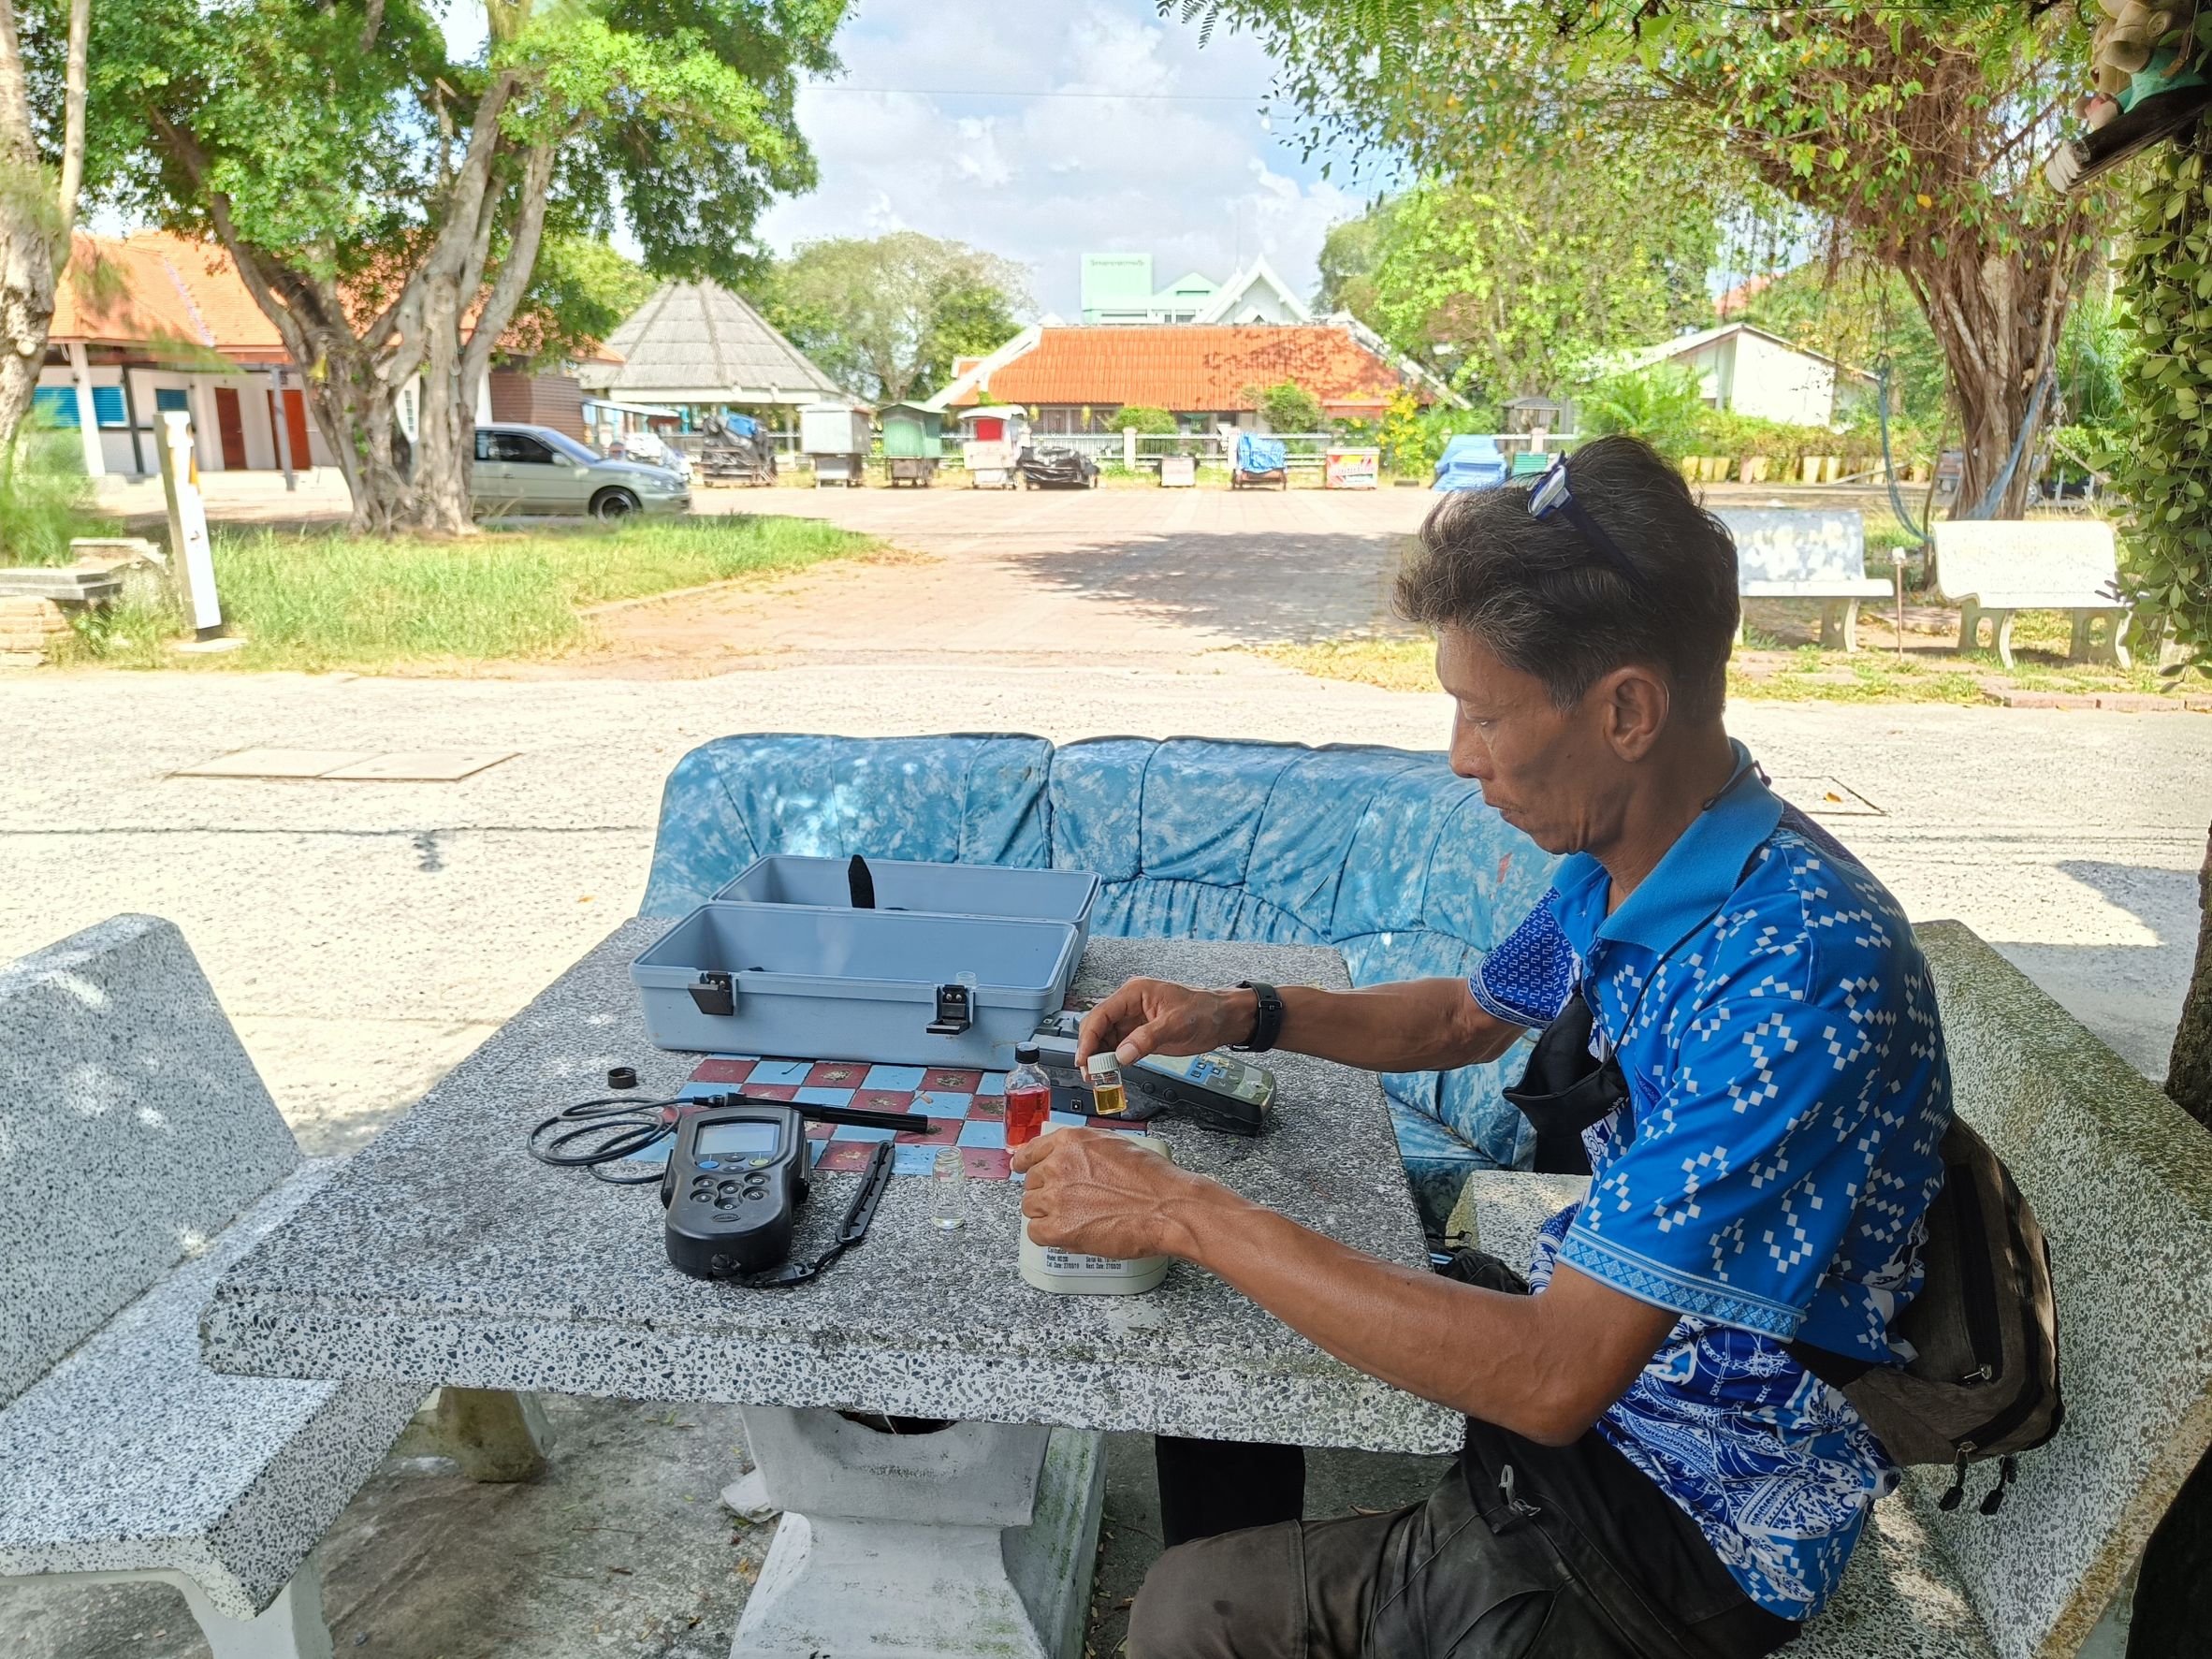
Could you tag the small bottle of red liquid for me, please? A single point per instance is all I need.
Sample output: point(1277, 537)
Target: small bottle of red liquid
point(1028, 1099)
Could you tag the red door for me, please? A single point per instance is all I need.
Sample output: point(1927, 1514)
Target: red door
point(296, 451)
point(231, 423)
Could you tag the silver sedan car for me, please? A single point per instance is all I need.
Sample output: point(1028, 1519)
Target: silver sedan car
point(537, 469)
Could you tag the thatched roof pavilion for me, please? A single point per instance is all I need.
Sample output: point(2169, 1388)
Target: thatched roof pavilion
point(699, 344)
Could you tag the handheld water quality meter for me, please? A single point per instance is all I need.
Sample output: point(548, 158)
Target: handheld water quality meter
point(1214, 1089)
point(732, 1190)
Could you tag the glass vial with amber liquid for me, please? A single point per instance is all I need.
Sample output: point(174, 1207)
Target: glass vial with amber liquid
point(1103, 1072)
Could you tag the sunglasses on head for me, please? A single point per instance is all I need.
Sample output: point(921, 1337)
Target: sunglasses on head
point(1551, 498)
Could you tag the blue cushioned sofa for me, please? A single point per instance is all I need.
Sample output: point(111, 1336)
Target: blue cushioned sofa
point(1381, 853)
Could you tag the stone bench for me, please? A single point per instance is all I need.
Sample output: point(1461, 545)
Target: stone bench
point(2120, 1179)
point(1793, 553)
point(141, 1158)
point(1992, 569)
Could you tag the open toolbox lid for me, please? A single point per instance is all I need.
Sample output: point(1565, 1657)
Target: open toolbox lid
point(1013, 892)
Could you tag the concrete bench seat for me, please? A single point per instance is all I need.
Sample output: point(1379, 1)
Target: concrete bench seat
point(1794, 553)
point(2120, 1182)
point(131, 1457)
point(141, 1156)
point(1994, 569)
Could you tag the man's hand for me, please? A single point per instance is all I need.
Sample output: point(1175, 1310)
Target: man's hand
point(1091, 1191)
point(1155, 1017)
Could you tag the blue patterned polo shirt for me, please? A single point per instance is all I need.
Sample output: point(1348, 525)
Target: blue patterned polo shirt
point(1768, 1175)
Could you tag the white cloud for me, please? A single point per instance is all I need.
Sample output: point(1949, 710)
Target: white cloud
point(1163, 152)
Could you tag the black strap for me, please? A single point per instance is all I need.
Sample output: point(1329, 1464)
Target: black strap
point(850, 1232)
point(859, 881)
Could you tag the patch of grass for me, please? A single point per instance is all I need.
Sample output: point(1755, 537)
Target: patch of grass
point(45, 499)
point(1811, 678)
point(331, 600)
point(1394, 664)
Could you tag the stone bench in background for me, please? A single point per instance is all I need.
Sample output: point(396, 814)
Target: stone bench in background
point(1801, 553)
point(1991, 569)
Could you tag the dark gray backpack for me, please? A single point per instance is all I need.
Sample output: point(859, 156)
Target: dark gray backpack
point(1984, 1382)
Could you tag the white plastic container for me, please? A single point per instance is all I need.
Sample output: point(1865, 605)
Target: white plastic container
point(1069, 1273)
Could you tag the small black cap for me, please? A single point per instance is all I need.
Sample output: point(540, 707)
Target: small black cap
point(1026, 1055)
point(621, 1077)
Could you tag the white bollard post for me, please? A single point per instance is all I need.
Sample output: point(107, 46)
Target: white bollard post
point(191, 555)
point(1128, 449)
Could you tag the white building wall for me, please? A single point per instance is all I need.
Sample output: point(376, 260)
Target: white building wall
point(118, 455)
point(1774, 382)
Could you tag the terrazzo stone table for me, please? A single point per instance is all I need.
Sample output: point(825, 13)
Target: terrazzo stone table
point(442, 1253)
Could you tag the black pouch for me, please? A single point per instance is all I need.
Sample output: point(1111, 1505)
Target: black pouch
point(1565, 1089)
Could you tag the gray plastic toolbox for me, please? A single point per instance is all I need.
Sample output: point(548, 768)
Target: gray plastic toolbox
point(929, 889)
point(896, 988)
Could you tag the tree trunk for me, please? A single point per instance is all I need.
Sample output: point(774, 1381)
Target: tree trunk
point(452, 274)
point(1997, 318)
point(2189, 1072)
point(36, 216)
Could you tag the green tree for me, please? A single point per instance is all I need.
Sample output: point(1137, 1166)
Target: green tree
point(582, 289)
point(1508, 286)
point(385, 203)
point(1350, 254)
point(886, 315)
point(2164, 469)
point(1665, 406)
point(1913, 129)
point(41, 170)
point(1286, 407)
point(1148, 422)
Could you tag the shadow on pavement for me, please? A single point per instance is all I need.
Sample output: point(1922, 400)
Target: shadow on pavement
point(1254, 589)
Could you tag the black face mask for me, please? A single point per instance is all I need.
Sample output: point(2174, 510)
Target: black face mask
point(1565, 1089)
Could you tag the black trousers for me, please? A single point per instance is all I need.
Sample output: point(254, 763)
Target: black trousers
point(1522, 1552)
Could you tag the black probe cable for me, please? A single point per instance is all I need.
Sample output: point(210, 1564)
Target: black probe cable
point(614, 1127)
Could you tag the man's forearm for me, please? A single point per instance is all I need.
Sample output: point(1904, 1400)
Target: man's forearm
point(1414, 1025)
point(1539, 1367)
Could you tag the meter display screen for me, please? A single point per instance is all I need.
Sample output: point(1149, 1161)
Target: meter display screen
point(741, 1138)
point(1228, 1077)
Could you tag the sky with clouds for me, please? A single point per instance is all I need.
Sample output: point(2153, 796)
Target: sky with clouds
point(1045, 129)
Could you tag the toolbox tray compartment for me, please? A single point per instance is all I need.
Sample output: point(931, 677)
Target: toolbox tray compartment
point(846, 984)
point(925, 889)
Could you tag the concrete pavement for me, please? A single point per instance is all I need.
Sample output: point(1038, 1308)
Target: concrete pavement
point(364, 936)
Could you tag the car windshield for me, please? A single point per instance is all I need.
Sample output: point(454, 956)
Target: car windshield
point(567, 448)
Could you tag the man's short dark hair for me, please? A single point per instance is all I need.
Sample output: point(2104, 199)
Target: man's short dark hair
point(1542, 599)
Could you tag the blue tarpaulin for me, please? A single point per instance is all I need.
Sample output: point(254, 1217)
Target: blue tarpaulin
point(1255, 454)
point(1471, 462)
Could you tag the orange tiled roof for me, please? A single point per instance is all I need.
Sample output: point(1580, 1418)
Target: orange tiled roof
point(155, 289)
point(1188, 368)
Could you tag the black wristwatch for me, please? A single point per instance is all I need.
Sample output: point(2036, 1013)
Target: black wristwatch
point(1268, 1025)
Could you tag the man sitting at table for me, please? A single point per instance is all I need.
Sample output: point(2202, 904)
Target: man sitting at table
point(1650, 1469)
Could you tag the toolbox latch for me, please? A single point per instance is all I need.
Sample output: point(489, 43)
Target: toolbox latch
point(715, 994)
point(956, 1010)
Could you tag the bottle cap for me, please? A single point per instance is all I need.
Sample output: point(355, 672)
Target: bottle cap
point(1102, 1064)
point(1026, 1055)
